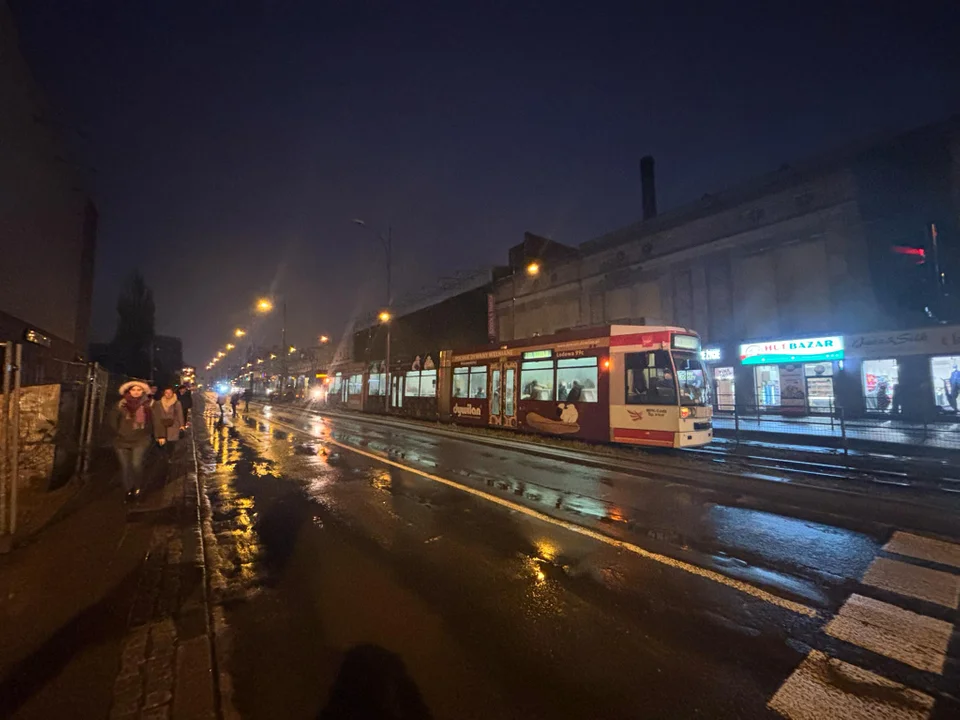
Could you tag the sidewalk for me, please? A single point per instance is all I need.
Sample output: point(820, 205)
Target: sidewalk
point(103, 614)
point(940, 435)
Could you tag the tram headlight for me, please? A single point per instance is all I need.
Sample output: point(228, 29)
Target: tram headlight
point(684, 413)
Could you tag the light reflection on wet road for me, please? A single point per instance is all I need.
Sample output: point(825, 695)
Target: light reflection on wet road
point(494, 613)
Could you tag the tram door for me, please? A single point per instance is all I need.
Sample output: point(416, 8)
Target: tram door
point(503, 393)
point(396, 391)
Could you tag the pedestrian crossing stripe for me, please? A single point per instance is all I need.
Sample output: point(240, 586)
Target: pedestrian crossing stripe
point(826, 687)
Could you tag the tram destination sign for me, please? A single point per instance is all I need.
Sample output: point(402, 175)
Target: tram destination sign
point(810, 349)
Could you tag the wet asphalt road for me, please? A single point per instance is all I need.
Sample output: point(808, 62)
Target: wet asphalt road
point(497, 613)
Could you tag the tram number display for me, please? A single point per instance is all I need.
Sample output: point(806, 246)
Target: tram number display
point(538, 355)
point(686, 342)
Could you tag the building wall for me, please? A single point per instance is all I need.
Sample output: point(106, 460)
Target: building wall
point(47, 225)
point(766, 266)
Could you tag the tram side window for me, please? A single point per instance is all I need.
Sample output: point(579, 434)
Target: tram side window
point(461, 382)
point(650, 379)
point(536, 380)
point(421, 383)
point(356, 384)
point(478, 382)
point(577, 379)
point(335, 389)
point(377, 384)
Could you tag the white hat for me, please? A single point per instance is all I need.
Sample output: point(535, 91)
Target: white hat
point(127, 385)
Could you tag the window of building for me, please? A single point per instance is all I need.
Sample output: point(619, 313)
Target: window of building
point(421, 383)
point(650, 380)
point(945, 378)
point(356, 384)
point(536, 379)
point(880, 380)
point(577, 379)
point(377, 384)
point(768, 386)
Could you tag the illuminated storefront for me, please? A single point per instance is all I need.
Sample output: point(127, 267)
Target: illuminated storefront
point(794, 375)
point(913, 372)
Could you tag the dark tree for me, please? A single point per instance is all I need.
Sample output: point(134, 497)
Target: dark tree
point(131, 343)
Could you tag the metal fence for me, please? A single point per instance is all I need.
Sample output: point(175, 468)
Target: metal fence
point(50, 418)
point(832, 426)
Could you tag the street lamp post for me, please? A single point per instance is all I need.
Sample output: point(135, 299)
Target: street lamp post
point(385, 316)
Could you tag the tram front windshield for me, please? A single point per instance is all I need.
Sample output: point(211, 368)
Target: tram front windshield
point(691, 378)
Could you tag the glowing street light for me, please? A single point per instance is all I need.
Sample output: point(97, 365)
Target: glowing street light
point(291, 350)
point(324, 339)
point(264, 305)
point(239, 332)
point(230, 346)
point(533, 269)
point(259, 361)
point(384, 316)
point(220, 354)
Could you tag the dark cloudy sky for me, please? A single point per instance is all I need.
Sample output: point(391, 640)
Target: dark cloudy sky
point(231, 143)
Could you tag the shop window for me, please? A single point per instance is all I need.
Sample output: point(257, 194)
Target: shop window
point(356, 384)
point(650, 379)
point(377, 384)
point(421, 383)
point(945, 377)
point(768, 385)
point(536, 379)
point(881, 379)
point(724, 386)
point(577, 379)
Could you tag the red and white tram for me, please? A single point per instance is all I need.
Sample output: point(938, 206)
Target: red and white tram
point(620, 383)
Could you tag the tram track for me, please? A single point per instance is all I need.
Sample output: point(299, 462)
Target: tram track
point(802, 487)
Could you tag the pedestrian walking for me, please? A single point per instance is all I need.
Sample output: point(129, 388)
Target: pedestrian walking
point(221, 400)
point(154, 394)
point(234, 401)
point(246, 400)
point(168, 422)
point(132, 425)
point(186, 402)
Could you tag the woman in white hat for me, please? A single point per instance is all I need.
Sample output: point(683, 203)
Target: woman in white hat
point(133, 433)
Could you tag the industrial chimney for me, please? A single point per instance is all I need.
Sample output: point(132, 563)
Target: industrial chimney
point(648, 188)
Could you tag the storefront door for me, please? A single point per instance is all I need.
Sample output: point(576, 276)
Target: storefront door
point(819, 382)
point(945, 379)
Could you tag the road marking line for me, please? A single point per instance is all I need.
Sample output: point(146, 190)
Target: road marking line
point(748, 589)
point(824, 687)
point(934, 586)
point(880, 627)
point(924, 548)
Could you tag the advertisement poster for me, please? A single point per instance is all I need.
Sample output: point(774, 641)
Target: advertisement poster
point(793, 399)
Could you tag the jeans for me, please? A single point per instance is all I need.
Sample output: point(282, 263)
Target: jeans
point(131, 465)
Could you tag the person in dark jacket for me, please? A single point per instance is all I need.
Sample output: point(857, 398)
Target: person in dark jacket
point(132, 423)
point(234, 401)
point(186, 402)
point(167, 421)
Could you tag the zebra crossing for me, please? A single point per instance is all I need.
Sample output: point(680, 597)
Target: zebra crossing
point(905, 611)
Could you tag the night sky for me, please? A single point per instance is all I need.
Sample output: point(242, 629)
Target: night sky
point(229, 144)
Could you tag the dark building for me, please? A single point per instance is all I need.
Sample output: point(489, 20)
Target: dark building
point(48, 225)
point(463, 321)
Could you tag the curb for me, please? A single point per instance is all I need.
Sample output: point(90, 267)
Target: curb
point(218, 632)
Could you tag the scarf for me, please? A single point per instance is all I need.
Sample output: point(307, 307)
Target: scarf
point(167, 404)
point(137, 409)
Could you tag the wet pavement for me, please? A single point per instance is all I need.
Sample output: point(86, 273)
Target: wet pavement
point(514, 585)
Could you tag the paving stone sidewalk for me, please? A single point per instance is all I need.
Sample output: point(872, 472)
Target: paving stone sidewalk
point(104, 613)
